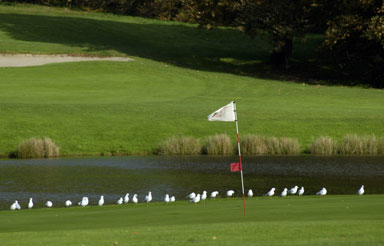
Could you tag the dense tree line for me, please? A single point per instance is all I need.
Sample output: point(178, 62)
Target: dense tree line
point(353, 29)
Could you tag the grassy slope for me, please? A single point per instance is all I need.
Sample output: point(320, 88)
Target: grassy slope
point(332, 220)
point(179, 76)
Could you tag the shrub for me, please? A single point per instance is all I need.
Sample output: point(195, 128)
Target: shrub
point(37, 148)
point(273, 145)
point(180, 145)
point(322, 146)
point(289, 146)
point(219, 144)
point(253, 145)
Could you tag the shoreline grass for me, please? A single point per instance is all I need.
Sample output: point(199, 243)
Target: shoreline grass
point(307, 220)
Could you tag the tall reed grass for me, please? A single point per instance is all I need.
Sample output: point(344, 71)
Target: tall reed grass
point(37, 148)
point(253, 145)
point(219, 144)
point(273, 145)
point(180, 145)
point(323, 146)
point(289, 146)
point(381, 146)
point(353, 144)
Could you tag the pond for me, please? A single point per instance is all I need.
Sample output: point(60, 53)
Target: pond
point(72, 178)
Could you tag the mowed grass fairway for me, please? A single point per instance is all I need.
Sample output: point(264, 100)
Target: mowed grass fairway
point(308, 220)
point(179, 75)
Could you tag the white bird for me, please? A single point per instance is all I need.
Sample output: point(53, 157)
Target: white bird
point(68, 203)
point(301, 191)
point(293, 190)
point(101, 201)
point(126, 198)
point(250, 193)
point(230, 193)
point(135, 199)
point(148, 197)
point(172, 199)
point(204, 196)
point(84, 202)
point(322, 192)
point(166, 198)
point(18, 207)
point(196, 199)
point(120, 201)
point(30, 203)
point(49, 204)
point(271, 192)
point(360, 191)
point(13, 206)
point(192, 195)
point(284, 192)
point(214, 194)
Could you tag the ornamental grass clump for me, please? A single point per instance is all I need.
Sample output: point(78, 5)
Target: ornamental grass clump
point(180, 145)
point(273, 145)
point(253, 145)
point(322, 146)
point(219, 144)
point(371, 145)
point(37, 148)
point(289, 146)
point(381, 146)
point(351, 144)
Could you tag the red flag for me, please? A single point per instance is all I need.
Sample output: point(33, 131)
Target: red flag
point(236, 167)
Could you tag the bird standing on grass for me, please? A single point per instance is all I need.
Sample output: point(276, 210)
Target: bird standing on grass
point(172, 199)
point(192, 195)
point(360, 191)
point(30, 203)
point(271, 192)
point(250, 193)
point(14, 206)
point(322, 192)
point(135, 200)
point(214, 194)
point(120, 201)
point(101, 201)
point(301, 191)
point(230, 193)
point(284, 192)
point(49, 204)
point(196, 199)
point(148, 197)
point(84, 202)
point(166, 198)
point(293, 190)
point(68, 203)
point(126, 198)
point(204, 196)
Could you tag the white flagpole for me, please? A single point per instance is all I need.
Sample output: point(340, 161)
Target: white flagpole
point(238, 146)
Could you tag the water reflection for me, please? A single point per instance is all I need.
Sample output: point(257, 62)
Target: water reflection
point(72, 178)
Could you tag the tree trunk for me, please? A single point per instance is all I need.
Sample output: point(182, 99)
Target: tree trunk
point(281, 51)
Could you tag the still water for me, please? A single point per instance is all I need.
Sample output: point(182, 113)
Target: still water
point(72, 178)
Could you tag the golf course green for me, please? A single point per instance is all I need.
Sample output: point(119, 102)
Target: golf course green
point(307, 220)
point(179, 75)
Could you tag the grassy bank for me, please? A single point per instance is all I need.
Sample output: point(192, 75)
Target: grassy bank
point(179, 75)
point(331, 220)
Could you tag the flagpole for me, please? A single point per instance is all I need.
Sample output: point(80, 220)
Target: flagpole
point(238, 146)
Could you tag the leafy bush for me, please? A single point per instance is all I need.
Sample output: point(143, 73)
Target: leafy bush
point(180, 145)
point(37, 148)
point(219, 144)
point(323, 146)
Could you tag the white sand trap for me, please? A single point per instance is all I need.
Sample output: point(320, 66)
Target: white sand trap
point(27, 60)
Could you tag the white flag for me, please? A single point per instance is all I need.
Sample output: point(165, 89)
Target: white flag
point(226, 113)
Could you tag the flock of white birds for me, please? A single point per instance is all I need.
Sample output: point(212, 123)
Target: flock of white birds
point(193, 197)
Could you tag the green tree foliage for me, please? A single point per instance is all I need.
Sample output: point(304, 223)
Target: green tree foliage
point(355, 38)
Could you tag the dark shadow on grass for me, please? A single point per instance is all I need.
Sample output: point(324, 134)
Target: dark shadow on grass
point(219, 50)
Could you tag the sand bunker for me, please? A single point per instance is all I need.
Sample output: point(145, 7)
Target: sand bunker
point(26, 60)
